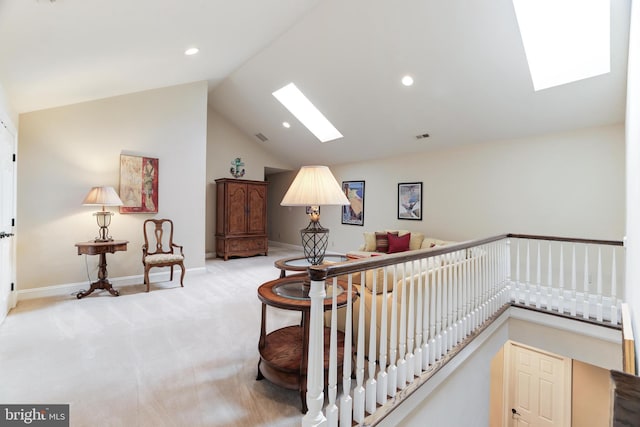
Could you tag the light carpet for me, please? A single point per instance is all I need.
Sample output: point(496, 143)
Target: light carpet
point(171, 357)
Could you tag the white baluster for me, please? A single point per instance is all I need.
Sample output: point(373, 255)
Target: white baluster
point(527, 299)
point(517, 299)
point(439, 347)
point(561, 281)
point(465, 298)
point(432, 315)
point(370, 394)
point(446, 305)
point(539, 278)
point(359, 390)
point(331, 411)
point(392, 370)
point(410, 358)
point(614, 286)
point(458, 281)
point(315, 367)
point(346, 402)
point(425, 316)
point(574, 281)
point(417, 349)
point(550, 280)
point(402, 336)
point(586, 303)
point(599, 306)
point(382, 377)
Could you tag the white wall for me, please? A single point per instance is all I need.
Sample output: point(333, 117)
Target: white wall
point(7, 113)
point(566, 184)
point(225, 142)
point(65, 151)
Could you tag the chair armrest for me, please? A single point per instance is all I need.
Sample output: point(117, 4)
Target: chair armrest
point(179, 247)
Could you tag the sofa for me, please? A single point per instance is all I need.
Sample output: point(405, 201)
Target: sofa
point(365, 284)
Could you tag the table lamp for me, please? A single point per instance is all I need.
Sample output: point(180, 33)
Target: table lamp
point(314, 186)
point(102, 196)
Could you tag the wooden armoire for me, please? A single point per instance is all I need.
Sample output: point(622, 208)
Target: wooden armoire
point(241, 218)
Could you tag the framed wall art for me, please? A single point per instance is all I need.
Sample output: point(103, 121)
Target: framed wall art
point(138, 184)
point(354, 212)
point(410, 200)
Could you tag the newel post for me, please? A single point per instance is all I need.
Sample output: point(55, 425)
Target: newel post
point(315, 368)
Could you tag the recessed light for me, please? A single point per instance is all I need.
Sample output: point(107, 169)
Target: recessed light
point(191, 51)
point(286, 124)
point(407, 80)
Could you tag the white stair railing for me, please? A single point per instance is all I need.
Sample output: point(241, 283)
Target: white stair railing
point(421, 306)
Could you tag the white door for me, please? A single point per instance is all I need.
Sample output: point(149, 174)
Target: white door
point(538, 390)
point(7, 215)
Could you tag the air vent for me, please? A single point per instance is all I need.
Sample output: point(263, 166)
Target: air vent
point(261, 137)
point(424, 135)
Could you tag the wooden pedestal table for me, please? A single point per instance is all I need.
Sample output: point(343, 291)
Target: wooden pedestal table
point(284, 352)
point(101, 248)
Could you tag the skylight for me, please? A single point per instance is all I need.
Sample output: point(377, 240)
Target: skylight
point(564, 40)
point(298, 104)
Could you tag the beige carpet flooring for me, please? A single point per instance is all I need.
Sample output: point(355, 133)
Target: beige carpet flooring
point(172, 357)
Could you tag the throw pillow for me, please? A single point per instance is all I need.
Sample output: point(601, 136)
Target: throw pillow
point(382, 241)
point(369, 241)
point(398, 243)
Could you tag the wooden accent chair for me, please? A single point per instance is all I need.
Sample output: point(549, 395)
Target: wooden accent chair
point(162, 253)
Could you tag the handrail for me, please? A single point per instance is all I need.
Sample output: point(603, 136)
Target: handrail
point(567, 239)
point(327, 271)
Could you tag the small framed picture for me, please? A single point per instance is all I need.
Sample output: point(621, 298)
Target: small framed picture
point(353, 213)
point(410, 200)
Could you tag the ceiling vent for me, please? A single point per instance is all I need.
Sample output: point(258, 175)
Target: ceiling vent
point(261, 137)
point(421, 136)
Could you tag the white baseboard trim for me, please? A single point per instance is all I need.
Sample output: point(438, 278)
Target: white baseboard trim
point(285, 245)
point(67, 289)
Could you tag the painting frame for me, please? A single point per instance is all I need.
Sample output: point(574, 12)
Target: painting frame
point(410, 201)
point(139, 184)
point(353, 213)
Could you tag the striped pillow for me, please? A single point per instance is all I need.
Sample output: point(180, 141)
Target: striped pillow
point(382, 241)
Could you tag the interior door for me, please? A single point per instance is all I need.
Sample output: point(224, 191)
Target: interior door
point(7, 214)
point(538, 388)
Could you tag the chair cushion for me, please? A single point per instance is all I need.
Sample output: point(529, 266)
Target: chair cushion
point(162, 258)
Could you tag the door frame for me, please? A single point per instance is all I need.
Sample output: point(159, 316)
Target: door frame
point(508, 376)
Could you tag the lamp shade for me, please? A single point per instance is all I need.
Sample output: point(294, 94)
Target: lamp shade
point(314, 186)
point(102, 196)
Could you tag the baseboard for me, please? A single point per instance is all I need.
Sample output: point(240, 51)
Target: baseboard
point(285, 245)
point(68, 289)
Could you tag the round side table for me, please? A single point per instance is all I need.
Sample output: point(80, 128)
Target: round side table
point(299, 264)
point(283, 352)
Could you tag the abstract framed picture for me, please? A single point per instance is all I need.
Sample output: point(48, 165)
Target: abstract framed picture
point(138, 184)
point(410, 200)
point(353, 213)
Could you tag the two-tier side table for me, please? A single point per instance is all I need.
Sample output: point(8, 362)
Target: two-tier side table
point(283, 352)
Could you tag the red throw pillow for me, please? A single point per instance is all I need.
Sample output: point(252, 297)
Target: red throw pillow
point(398, 243)
point(382, 241)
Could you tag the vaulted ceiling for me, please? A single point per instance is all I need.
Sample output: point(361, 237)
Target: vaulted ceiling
point(472, 83)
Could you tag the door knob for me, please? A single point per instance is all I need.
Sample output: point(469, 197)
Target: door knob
point(514, 413)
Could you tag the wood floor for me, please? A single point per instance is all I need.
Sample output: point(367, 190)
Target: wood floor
point(171, 357)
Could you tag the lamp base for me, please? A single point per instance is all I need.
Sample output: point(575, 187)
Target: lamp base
point(315, 239)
